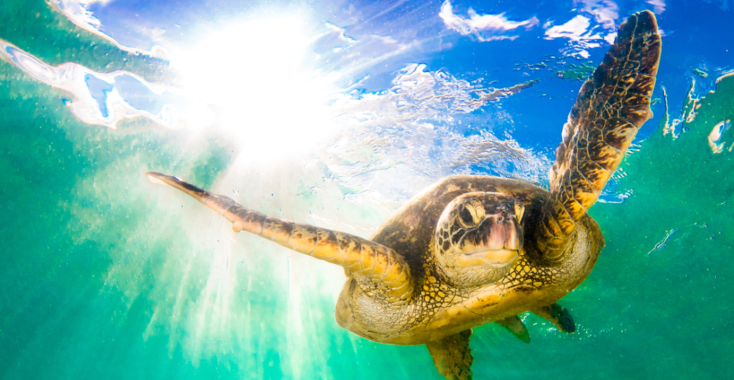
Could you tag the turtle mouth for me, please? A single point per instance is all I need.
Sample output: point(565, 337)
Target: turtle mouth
point(491, 257)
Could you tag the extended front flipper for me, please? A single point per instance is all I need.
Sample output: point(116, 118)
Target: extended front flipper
point(366, 259)
point(452, 356)
point(558, 315)
point(610, 108)
point(516, 327)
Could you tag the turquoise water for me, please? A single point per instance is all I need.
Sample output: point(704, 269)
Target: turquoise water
point(107, 275)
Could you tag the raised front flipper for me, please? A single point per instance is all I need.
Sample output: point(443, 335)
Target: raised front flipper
point(366, 259)
point(610, 108)
point(558, 315)
point(452, 356)
point(516, 327)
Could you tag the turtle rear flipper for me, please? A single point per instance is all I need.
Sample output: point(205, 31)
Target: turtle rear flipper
point(516, 327)
point(452, 356)
point(611, 107)
point(368, 260)
point(558, 315)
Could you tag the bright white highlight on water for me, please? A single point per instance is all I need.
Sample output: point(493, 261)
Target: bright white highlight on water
point(112, 105)
point(484, 27)
point(262, 79)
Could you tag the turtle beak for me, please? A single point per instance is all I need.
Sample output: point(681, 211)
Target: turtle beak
point(497, 242)
point(502, 233)
point(492, 257)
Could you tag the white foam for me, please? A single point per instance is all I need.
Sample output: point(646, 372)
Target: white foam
point(485, 27)
point(73, 78)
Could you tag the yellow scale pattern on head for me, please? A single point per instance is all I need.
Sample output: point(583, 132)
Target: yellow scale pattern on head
point(525, 274)
point(444, 239)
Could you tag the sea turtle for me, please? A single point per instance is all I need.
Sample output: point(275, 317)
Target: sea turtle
point(471, 250)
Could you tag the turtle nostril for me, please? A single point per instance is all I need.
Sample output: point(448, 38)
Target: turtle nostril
point(513, 238)
point(501, 233)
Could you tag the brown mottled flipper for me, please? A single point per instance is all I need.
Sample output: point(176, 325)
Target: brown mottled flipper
point(516, 327)
point(558, 315)
point(610, 108)
point(366, 259)
point(452, 356)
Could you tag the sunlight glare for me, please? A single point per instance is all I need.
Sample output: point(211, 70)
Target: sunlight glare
point(262, 79)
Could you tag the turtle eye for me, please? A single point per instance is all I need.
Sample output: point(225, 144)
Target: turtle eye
point(519, 211)
point(465, 215)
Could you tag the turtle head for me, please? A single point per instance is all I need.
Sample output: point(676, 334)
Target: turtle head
point(479, 237)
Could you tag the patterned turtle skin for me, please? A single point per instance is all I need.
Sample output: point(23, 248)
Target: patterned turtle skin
point(440, 307)
point(472, 250)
